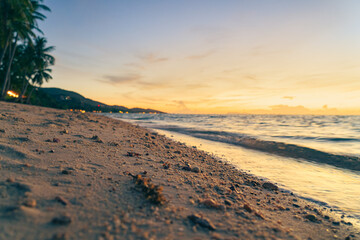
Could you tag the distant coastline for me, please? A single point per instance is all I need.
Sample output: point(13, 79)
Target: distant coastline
point(70, 100)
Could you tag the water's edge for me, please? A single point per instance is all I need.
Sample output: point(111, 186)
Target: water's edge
point(278, 148)
point(347, 214)
point(295, 168)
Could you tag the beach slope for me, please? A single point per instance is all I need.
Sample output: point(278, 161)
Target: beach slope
point(69, 175)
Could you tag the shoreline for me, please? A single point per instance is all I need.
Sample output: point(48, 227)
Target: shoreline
point(67, 175)
point(285, 176)
point(279, 148)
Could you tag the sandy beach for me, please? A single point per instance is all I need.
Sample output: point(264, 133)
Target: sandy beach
point(70, 175)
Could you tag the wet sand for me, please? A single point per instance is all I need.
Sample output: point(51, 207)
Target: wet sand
point(67, 175)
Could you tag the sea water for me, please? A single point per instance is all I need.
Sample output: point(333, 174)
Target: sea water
point(324, 184)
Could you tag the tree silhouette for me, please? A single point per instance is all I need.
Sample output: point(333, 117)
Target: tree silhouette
point(18, 24)
point(41, 62)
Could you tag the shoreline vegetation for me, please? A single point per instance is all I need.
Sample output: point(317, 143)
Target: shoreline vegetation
point(68, 100)
point(72, 175)
point(25, 58)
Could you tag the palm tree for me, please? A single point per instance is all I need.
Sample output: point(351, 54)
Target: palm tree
point(40, 75)
point(15, 24)
point(18, 21)
point(41, 63)
point(24, 67)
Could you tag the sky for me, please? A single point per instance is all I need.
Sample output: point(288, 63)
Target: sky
point(209, 56)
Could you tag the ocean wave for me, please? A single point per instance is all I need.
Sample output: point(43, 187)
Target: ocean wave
point(273, 147)
point(143, 118)
point(339, 139)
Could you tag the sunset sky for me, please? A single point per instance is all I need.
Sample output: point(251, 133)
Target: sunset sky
point(209, 56)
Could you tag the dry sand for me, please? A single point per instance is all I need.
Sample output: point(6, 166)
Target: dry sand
point(67, 175)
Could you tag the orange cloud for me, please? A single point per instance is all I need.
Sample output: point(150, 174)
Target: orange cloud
point(152, 58)
point(201, 56)
point(115, 80)
point(288, 97)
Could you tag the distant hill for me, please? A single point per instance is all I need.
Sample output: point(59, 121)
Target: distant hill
point(72, 100)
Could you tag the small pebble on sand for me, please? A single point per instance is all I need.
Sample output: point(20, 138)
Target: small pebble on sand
point(201, 221)
point(30, 203)
point(66, 172)
point(311, 218)
point(62, 200)
point(195, 169)
point(62, 220)
point(270, 186)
